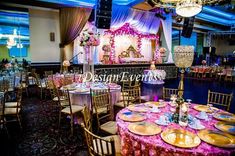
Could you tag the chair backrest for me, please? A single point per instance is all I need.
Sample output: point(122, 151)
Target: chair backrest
point(167, 92)
point(4, 85)
point(87, 118)
point(98, 146)
point(220, 99)
point(38, 80)
point(126, 84)
point(101, 103)
point(2, 107)
point(47, 73)
point(131, 95)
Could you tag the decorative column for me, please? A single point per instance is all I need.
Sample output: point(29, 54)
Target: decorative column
point(112, 54)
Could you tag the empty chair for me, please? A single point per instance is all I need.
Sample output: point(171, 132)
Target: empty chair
point(167, 92)
point(12, 109)
point(131, 96)
point(220, 99)
point(87, 120)
point(102, 107)
point(42, 86)
point(70, 110)
point(102, 146)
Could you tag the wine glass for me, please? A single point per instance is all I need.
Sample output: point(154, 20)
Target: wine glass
point(211, 110)
point(189, 102)
point(173, 98)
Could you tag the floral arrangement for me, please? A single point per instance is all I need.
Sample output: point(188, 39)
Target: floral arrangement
point(88, 38)
point(106, 48)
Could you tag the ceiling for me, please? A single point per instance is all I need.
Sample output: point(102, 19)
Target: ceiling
point(210, 19)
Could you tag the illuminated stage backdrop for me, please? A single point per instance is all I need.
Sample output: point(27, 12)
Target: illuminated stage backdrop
point(126, 34)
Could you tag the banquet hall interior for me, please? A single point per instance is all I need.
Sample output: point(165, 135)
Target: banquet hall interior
point(117, 77)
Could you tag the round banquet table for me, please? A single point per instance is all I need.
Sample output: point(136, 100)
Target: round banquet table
point(137, 145)
point(154, 76)
point(58, 79)
point(83, 98)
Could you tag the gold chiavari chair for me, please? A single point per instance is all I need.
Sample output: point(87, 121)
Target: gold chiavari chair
point(102, 107)
point(47, 73)
point(70, 110)
point(4, 85)
point(87, 120)
point(102, 146)
point(220, 99)
point(41, 85)
point(24, 82)
point(228, 76)
point(13, 111)
point(131, 96)
point(167, 92)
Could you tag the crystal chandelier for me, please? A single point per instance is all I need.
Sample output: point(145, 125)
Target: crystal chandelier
point(186, 8)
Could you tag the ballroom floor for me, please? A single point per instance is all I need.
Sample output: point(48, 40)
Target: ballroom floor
point(40, 134)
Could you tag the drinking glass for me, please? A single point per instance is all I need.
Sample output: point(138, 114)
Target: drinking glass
point(189, 102)
point(211, 109)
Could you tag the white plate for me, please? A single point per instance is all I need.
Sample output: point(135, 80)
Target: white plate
point(202, 118)
point(161, 123)
point(198, 127)
point(155, 110)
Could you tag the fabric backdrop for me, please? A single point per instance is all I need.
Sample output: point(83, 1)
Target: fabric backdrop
point(143, 21)
point(72, 21)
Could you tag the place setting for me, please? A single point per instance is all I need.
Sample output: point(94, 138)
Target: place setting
point(117, 77)
point(129, 116)
point(144, 128)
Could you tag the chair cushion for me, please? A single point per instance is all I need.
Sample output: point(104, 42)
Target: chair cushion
point(61, 98)
point(100, 110)
point(75, 109)
point(109, 127)
point(117, 142)
point(11, 104)
point(11, 111)
point(64, 103)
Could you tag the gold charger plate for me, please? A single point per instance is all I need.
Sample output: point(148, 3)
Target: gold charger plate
point(180, 138)
point(144, 128)
point(217, 138)
point(139, 108)
point(163, 104)
point(225, 116)
point(132, 117)
point(226, 127)
point(204, 108)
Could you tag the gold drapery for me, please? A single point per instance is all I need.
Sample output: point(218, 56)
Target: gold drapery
point(72, 21)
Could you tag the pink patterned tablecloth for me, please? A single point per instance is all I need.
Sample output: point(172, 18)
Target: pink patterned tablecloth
point(58, 79)
point(83, 98)
point(135, 145)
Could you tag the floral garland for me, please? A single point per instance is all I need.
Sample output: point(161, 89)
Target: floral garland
point(88, 38)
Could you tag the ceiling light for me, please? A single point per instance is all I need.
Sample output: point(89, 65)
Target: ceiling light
point(186, 8)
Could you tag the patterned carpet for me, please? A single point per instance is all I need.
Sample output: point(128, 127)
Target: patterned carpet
point(41, 137)
point(40, 134)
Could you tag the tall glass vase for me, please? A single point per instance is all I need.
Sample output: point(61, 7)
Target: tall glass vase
point(88, 65)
